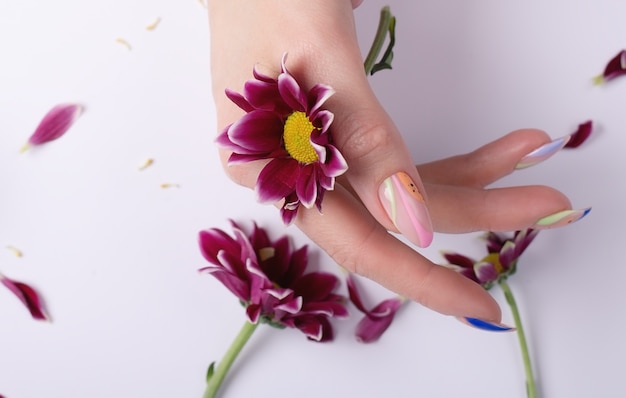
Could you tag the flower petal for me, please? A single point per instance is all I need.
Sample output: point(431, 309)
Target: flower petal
point(257, 131)
point(28, 296)
point(277, 180)
point(239, 100)
point(55, 123)
point(238, 287)
point(458, 259)
point(212, 241)
point(306, 186)
point(614, 68)
point(291, 92)
point(485, 272)
point(315, 286)
point(580, 135)
point(335, 164)
point(508, 254)
point(317, 96)
point(369, 329)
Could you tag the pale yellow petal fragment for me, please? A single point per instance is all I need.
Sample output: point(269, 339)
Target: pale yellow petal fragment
point(166, 185)
point(124, 43)
point(17, 252)
point(146, 164)
point(154, 24)
point(203, 3)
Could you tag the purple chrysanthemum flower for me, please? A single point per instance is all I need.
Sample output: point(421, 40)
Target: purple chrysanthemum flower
point(614, 68)
point(500, 262)
point(286, 124)
point(270, 280)
point(28, 296)
point(376, 320)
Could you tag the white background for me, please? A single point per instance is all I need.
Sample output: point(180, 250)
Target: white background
point(115, 255)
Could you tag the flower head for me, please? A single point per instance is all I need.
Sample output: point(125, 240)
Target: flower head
point(28, 296)
point(54, 124)
point(287, 125)
point(270, 280)
point(376, 320)
point(500, 261)
point(614, 68)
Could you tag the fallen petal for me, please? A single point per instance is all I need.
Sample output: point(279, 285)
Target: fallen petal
point(614, 68)
point(371, 327)
point(580, 135)
point(28, 296)
point(54, 124)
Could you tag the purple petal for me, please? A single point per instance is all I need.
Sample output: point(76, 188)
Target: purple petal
point(323, 119)
point(257, 131)
point(355, 295)
point(291, 92)
point(580, 135)
point(239, 100)
point(313, 327)
point(253, 312)
point(277, 180)
point(523, 239)
point(485, 272)
point(335, 164)
point(494, 242)
point(306, 186)
point(370, 329)
point(291, 306)
point(55, 123)
point(508, 254)
point(317, 96)
point(262, 95)
point(212, 241)
point(614, 68)
point(28, 296)
point(239, 288)
point(315, 286)
point(260, 76)
point(458, 259)
point(288, 215)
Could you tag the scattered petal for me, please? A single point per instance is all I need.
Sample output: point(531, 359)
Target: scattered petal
point(54, 124)
point(146, 164)
point(580, 135)
point(124, 43)
point(17, 252)
point(614, 68)
point(154, 24)
point(28, 296)
point(203, 3)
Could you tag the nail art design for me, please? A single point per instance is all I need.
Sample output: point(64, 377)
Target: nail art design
point(542, 153)
point(561, 218)
point(486, 325)
point(406, 207)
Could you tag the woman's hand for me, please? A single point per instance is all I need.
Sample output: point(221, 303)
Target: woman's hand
point(321, 41)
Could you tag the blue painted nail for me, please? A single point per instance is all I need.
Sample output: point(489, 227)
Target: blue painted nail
point(486, 325)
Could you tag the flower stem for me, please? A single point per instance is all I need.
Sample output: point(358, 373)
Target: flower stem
point(215, 380)
point(379, 39)
point(531, 389)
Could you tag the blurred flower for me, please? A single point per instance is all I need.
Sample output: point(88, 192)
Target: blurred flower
point(614, 68)
point(270, 280)
point(286, 124)
point(376, 320)
point(580, 135)
point(28, 296)
point(54, 124)
point(500, 262)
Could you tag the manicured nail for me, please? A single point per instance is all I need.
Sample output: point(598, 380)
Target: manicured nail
point(561, 218)
point(486, 325)
point(406, 207)
point(542, 153)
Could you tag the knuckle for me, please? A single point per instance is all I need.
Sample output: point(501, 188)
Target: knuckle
point(364, 138)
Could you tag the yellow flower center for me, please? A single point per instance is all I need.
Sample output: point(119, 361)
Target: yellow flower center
point(297, 138)
point(494, 258)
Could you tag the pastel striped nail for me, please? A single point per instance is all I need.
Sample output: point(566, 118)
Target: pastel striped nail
point(542, 153)
point(486, 325)
point(561, 218)
point(406, 207)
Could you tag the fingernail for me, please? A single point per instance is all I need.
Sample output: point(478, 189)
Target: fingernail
point(542, 153)
point(561, 218)
point(486, 325)
point(406, 207)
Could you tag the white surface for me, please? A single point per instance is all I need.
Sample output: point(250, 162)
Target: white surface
point(115, 256)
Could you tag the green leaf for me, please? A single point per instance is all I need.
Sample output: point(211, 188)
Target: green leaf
point(210, 371)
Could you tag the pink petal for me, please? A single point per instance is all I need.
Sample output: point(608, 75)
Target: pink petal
point(55, 123)
point(291, 92)
point(580, 135)
point(485, 272)
point(257, 131)
point(458, 259)
point(317, 96)
point(335, 164)
point(369, 329)
point(239, 100)
point(508, 254)
point(263, 95)
point(28, 296)
point(315, 286)
point(306, 186)
point(236, 286)
point(614, 68)
point(277, 180)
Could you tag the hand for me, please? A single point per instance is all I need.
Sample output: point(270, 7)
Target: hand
point(321, 41)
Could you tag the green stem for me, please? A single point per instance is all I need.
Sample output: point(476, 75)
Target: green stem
point(379, 39)
point(215, 381)
point(531, 389)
